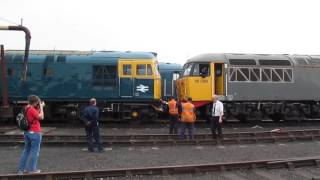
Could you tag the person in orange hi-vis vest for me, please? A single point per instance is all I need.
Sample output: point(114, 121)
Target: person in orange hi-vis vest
point(173, 116)
point(188, 117)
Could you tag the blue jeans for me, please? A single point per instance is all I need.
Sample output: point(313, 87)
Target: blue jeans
point(173, 129)
point(92, 132)
point(30, 152)
point(190, 127)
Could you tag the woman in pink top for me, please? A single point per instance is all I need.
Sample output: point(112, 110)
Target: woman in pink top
point(32, 137)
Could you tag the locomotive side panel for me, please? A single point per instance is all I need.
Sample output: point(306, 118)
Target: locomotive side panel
point(304, 86)
point(68, 80)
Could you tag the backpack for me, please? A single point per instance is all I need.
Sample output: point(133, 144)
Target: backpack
point(22, 121)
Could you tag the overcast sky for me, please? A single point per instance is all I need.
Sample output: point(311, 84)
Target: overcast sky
point(175, 29)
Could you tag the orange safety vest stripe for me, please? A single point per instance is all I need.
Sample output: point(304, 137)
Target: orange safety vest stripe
point(173, 110)
point(188, 114)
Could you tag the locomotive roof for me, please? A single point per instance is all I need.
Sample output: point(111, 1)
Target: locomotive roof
point(215, 57)
point(169, 66)
point(38, 56)
point(107, 54)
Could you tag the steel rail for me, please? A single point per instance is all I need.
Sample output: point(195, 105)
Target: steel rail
point(290, 163)
point(171, 140)
point(166, 140)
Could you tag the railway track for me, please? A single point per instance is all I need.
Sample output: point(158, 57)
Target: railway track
point(291, 164)
point(171, 140)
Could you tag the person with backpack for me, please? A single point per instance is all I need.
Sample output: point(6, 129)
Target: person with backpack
point(90, 118)
point(32, 135)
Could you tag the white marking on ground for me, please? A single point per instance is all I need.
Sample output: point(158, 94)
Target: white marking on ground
point(131, 149)
point(221, 147)
point(108, 149)
point(242, 146)
point(13, 132)
point(261, 145)
point(155, 148)
point(282, 144)
point(199, 147)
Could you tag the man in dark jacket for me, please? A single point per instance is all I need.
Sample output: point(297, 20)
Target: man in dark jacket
point(91, 120)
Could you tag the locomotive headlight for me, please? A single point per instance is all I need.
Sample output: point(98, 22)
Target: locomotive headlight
point(134, 114)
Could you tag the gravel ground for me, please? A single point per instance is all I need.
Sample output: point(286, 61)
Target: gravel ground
point(165, 130)
point(297, 174)
point(75, 158)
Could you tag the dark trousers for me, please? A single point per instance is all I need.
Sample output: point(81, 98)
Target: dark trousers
point(173, 124)
point(92, 132)
point(215, 125)
point(190, 127)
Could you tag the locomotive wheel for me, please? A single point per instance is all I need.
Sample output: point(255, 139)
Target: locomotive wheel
point(276, 117)
point(135, 121)
point(242, 118)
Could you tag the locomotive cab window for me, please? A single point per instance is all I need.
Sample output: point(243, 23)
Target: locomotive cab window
point(149, 69)
point(127, 69)
point(187, 70)
point(144, 69)
point(195, 70)
point(202, 70)
point(141, 69)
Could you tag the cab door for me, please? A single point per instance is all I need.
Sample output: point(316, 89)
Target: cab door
point(125, 79)
point(199, 81)
point(219, 79)
point(143, 80)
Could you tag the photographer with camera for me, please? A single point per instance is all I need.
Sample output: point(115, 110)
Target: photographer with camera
point(32, 136)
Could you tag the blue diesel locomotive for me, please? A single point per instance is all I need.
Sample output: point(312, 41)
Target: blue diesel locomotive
point(127, 85)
